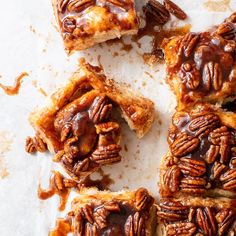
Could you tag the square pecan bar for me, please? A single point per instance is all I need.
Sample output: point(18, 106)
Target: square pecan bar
point(78, 124)
point(202, 66)
point(84, 23)
point(197, 216)
point(113, 213)
point(202, 156)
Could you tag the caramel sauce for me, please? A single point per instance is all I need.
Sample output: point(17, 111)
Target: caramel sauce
point(63, 227)
point(63, 193)
point(14, 90)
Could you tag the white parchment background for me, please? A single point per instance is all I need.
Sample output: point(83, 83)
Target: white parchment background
point(30, 42)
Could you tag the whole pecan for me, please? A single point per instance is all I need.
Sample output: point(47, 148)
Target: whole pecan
point(212, 75)
point(100, 109)
point(106, 154)
point(188, 43)
point(193, 185)
point(224, 219)
point(217, 170)
point(212, 154)
point(227, 30)
point(135, 225)
point(184, 144)
point(203, 125)
point(192, 167)
point(229, 179)
point(143, 201)
point(172, 179)
point(175, 10)
point(79, 5)
point(181, 228)
point(156, 11)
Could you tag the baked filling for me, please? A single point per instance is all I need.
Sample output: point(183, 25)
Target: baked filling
point(78, 124)
point(202, 66)
point(113, 213)
point(197, 216)
point(202, 157)
point(84, 23)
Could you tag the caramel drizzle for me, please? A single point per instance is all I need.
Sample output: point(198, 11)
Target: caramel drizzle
point(14, 90)
point(63, 228)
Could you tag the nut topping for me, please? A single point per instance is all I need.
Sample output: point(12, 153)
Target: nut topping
point(217, 135)
point(100, 217)
point(193, 185)
point(69, 24)
point(62, 5)
point(156, 11)
point(229, 179)
point(91, 230)
point(175, 10)
point(183, 145)
point(135, 225)
point(188, 43)
point(217, 170)
point(212, 154)
point(35, 144)
point(227, 30)
point(172, 178)
point(79, 5)
point(185, 228)
point(224, 218)
point(143, 200)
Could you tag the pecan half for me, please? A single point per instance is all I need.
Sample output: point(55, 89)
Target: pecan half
point(172, 179)
point(217, 170)
point(79, 5)
point(212, 74)
point(143, 201)
point(227, 30)
point(188, 43)
point(212, 154)
point(229, 179)
point(100, 217)
point(192, 167)
point(78, 224)
point(224, 218)
point(91, 230)
point(135, 225)
point(217, 134)
point(175, 10)
point(156, 11)
point(106, 154)
point(81, 166)
point(184, 144)
point(62, 4)
point(35, 144)
point(193, 185)
point(87, 213)
point(117, 3)
point(185, 228)
point(100, 110)
point(204, 124)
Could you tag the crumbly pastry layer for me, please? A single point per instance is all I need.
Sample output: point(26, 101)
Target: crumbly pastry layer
point(78, 124)
point(202, 156)
point(197, 216)
point(202, 66)
point(84, 23)
point(113, 213)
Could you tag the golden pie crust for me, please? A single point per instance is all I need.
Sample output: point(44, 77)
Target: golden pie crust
point(78, 123)
point(84, 23)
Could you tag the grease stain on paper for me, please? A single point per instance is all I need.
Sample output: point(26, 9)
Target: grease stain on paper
point(5, 146)
point(217, 5)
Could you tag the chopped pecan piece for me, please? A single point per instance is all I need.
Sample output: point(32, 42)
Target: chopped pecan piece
point(143, 200)
point(185, 228)
point(175, 10)
point(135, 225)
point(35, 144)
point(192, 167)
point(79, 5)
point(227, 30)
point(212, 75)
point(106, 127)
point(194, 185)
point(212, 153)
point(203, 125)
point(106, 154)
point(188, 43)
point(156, 11)
point(184, 144)
point(172, 178)
point(81, 166)
point(229, 179)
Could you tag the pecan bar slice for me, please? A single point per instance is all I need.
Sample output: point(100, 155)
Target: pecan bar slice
point(202, 156)
point(197, 216)
point(122, 213)
point(202, 66)
point(84, 23)
point(78, 124)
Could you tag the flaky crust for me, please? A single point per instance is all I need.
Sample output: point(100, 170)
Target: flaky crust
point(91, 23)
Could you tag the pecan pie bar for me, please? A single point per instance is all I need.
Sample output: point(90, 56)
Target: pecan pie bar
point(79, 126)
point(113, 213)
point(197, 216)
point(202, 157)
point(202, 66)
point(84, 23)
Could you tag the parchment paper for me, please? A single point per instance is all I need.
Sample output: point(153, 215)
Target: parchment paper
point(29, 42)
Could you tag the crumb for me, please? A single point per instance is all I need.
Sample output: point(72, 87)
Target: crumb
point(126, 148)
point(150, 75)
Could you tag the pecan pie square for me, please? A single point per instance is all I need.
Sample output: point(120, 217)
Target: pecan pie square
point(113, 213)
point(202, 156)
point(197, 216)
point(202, 66)
point(79, 125)
point(84, 23)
